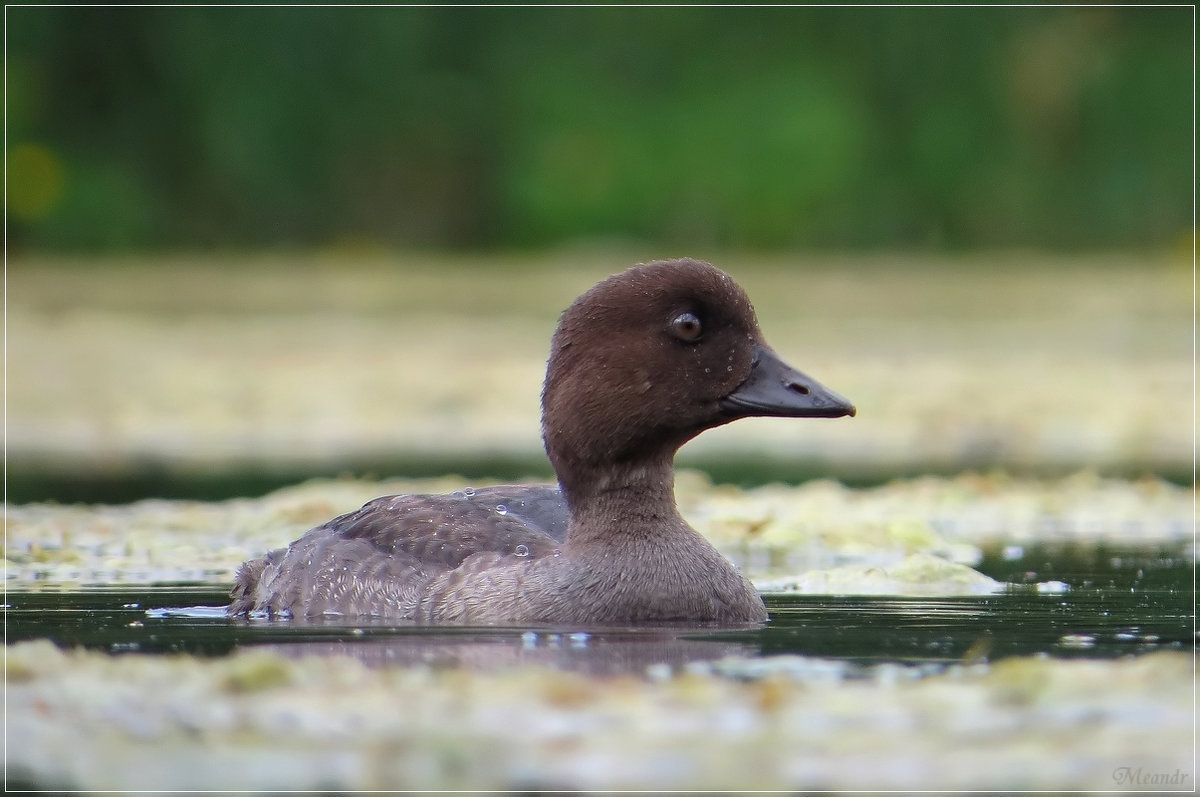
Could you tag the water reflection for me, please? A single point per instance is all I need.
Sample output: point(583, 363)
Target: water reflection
point(604, 650)
point(1113, 604)
point(594, 653)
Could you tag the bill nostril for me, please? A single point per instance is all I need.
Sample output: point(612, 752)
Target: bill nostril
point(797, 388)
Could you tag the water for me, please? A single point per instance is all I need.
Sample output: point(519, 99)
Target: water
point(1114, 602)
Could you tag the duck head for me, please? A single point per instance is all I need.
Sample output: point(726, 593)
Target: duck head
point(649, 358)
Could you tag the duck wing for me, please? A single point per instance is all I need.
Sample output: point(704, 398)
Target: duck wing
point(378, 559)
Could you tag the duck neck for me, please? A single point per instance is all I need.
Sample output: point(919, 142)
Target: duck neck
point(621, 500)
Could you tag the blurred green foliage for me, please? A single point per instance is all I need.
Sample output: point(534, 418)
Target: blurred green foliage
point(163, 127)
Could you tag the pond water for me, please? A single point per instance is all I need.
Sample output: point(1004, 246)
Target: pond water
point(1098, 602)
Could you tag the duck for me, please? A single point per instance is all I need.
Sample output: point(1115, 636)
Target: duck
point(639, 364)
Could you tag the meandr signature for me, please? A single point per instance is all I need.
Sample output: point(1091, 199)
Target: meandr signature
point(1137, 776)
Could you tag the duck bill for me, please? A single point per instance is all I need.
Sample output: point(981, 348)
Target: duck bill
point(776, 389)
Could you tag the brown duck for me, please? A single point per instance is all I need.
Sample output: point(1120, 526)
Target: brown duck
point(639, 365)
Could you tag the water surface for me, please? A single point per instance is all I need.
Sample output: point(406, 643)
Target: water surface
point(1093, 602)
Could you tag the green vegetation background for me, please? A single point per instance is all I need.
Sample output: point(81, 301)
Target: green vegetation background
point(752, 128)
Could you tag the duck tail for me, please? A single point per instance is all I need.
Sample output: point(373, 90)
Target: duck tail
point(245, 585)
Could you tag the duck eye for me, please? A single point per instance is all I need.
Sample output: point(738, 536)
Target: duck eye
point(687, 327)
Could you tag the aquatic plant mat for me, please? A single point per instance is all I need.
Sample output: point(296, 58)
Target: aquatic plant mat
point(260, 720)
point(334, 706)
point(818, 537)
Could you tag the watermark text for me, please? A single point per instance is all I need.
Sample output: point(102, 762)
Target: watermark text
point(1137, 776)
